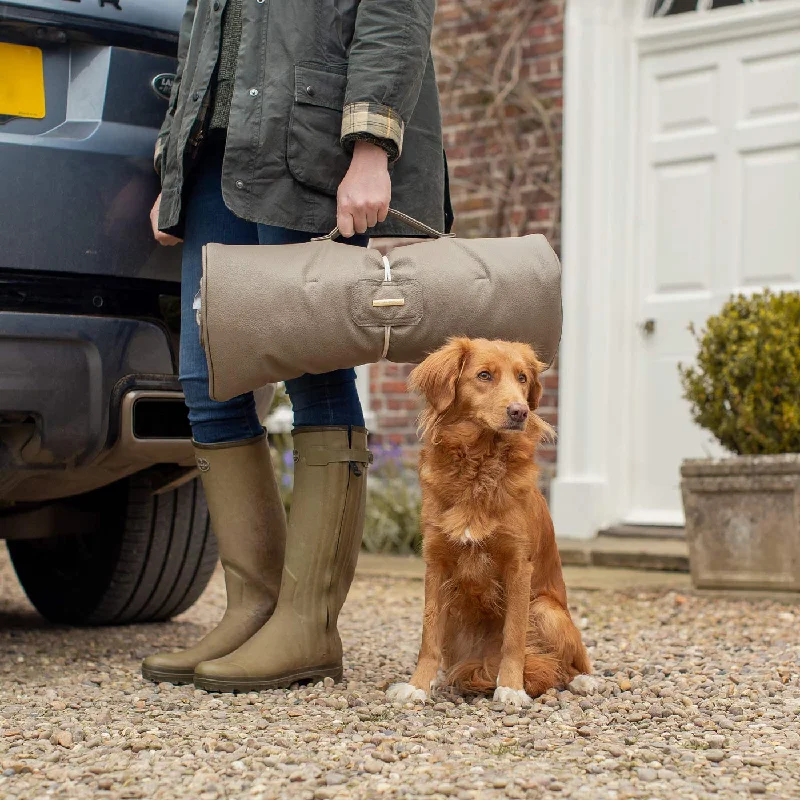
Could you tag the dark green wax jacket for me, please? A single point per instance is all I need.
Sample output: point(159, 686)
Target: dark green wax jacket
point(312, 76)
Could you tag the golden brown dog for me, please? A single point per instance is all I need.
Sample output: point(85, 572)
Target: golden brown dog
point(496, 612)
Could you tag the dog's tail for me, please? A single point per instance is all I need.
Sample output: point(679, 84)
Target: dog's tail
point(475, 676)
point(542, 671)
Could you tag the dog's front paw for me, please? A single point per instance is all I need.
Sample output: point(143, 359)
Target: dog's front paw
point(511, 697)
point(406, 693)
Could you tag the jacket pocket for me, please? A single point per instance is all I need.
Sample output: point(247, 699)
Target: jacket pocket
point(314, 154)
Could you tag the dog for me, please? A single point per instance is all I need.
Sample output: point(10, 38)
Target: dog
point(496, 616)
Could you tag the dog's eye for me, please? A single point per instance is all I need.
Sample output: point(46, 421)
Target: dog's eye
point(523, 378)
point(484, 375)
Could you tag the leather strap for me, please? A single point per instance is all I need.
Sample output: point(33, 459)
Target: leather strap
point(322, 456)
point(414, 223)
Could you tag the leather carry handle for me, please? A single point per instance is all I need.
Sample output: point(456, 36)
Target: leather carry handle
point(414, 223)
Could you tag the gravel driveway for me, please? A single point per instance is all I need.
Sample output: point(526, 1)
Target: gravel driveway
point(694, 697)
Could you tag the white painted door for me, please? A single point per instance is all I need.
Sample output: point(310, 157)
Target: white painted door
point(717, 212)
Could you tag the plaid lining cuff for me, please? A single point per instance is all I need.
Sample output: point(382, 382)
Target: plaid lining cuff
point(360, 120)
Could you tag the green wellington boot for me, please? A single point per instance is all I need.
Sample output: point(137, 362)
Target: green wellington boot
point(300, 642)
point(250, 525)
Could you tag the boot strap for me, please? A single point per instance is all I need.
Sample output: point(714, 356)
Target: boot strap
point(322, 456)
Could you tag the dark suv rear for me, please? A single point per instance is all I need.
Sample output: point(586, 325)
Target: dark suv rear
point(103, 515)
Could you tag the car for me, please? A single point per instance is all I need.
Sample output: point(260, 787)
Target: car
point(100, 504)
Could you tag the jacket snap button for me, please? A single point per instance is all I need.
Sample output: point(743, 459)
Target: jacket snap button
point(254, 93)
point(196, 96)
point(216, 6)
point(310, 91)
point(240, 184)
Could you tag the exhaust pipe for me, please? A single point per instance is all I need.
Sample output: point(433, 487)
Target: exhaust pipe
point(153, 428)
point(160, 418)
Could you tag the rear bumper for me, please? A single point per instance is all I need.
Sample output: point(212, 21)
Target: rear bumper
point(69, 387)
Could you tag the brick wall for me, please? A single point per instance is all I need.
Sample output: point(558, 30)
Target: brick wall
point(466, 37)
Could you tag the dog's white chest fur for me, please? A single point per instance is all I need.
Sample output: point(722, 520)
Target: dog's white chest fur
point(469, 537)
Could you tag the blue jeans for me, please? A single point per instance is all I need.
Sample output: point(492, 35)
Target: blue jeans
point(327, 399)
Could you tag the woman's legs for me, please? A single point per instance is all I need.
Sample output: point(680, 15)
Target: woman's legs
point(244, 502)
point(300, 641)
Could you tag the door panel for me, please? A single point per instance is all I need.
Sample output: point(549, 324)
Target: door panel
point(769, 229)
point(683, 247)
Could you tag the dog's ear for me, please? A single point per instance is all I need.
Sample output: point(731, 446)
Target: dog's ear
point(535, 386)
point(437, 376)
point(535, 392)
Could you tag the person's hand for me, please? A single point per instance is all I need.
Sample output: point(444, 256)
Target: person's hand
point(160, 237)
point(364, 194)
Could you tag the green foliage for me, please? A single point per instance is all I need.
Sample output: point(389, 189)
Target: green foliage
point(745, 388)
point(394, 503)
point(283, 462)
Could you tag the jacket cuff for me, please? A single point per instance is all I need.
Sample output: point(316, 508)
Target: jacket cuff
point(373, 121)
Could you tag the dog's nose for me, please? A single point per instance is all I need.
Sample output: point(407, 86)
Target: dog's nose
point(517, 412)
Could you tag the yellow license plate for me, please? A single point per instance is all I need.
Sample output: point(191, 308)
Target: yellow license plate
point(21, 81)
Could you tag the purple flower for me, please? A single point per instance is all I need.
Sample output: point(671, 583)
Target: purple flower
point(389, 456)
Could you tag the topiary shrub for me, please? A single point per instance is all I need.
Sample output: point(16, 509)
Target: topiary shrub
point(745, 387)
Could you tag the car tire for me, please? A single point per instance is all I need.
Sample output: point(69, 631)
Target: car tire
point(146, 558)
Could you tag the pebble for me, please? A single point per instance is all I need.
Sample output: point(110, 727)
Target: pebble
point(77, 722)
point(583, 685)
point(64, 738)
point(540, 745)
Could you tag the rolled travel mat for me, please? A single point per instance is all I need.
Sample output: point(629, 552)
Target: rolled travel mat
point(271, 313)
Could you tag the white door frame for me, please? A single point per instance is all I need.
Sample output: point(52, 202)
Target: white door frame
point(603, 43)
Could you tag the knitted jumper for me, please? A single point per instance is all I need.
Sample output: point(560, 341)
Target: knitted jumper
point(226, 69)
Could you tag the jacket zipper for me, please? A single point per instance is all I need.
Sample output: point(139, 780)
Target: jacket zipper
point(195, 142)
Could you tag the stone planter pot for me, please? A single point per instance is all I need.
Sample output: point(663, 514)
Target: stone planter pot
point(743, 521)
